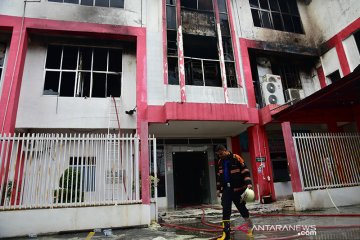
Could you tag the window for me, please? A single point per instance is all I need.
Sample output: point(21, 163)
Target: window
point(289, 73)
point(205, 5)
point(2, 58)
point(85, 167)
point(282, 15)
point(357, 40)
point(72, 71)
point(334, 76)
point(98, 3)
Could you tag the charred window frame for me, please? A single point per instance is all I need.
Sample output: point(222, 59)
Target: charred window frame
point(97, 3)
point(282, 15)
point(289, 73)
point(2, 60)
point(172, 47)
point(77, 71)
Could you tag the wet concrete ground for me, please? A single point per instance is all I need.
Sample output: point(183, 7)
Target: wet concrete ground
point(192, 218)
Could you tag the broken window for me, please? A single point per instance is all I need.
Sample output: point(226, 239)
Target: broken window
point(205, 5)
point(2, 58)
point(173, 74)
point(289, 73)
point(334, 76)
point(357, 40)
point(282, 15)
point(99, 3)
point(83, 71)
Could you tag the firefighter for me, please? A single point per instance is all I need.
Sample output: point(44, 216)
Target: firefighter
point(233, 178)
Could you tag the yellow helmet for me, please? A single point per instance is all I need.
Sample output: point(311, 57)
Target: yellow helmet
point(248, 195)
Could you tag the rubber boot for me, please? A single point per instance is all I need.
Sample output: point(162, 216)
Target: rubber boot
point(226, 230)
point(250, 227)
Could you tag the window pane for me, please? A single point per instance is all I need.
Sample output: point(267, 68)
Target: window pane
point(102, 3)
point(256, 18)
point(274, 5)
point(51, 83)
point(67, 84)
point(71, 1)
point(189, 4)
point(227, 48)
point(115, 60)
point(85, 58)
point(231, 75)
point(53, 57)
point(171, 43)
point(173, 74)
point(265, 16)
point(297, 24)
point(288, 23)
point(224, 25)
point(205, 5)
point(200, 47)
point(171, 2)
point(222, 6)
point(113, 86)
point(170, 17)
point(212, 74)
point(283, 6)
point(87, 2)
point(117, 3)
point(2, 54)
point(193, 72)
point(99, 82)
point(293, 7)
point(83, 87)
point(69, 58)
point(100, 59)
point(55, 0)
point(277, 21)
point(254, 3)
point(264, 4)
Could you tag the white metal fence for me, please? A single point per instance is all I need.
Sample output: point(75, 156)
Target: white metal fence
point(48, 170)
point(328, 160)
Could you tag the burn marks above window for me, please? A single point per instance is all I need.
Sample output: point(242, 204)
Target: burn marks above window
point(72, 71)
point(98, 3)
point(282, 15)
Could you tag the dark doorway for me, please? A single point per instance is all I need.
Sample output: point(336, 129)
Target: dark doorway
point(190, 178)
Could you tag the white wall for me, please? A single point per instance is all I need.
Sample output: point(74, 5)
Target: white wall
point(283, 190)
point(330, 63)
point(352, 52)
point(129, 16)
point(40, 111)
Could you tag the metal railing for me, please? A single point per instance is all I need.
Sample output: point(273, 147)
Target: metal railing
point(328, 160)
point(48, 170)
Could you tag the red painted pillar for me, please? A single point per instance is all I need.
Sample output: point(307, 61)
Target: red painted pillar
point(235, 145)
point(321, 76)
point(12, 80)
point(247, 73)
point(181, 60)
point(344, 64)
point(142, 121)
point(333, 127)
point(291, 157)
point(261, 163)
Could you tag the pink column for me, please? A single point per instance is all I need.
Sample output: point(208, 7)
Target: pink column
point(291, 157)
point(261, 170)
point(181, 61)
point(247, 73)
point(321, 76)
point(342, 57)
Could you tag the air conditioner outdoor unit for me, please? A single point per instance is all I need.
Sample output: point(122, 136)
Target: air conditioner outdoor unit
point(272, 91)
point(294, 95)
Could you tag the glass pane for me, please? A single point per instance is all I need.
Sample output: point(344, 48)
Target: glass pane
point(224, 24)
point(171, 43)
point(51, 83)
point(173, 74)
point(71, 1)
point(171, 2)
point(2, 54)
point(83, 85)
point(189, 4)
point(254, 3)
point(293, 7)
point(264, 4)
point(227, 48)
point(274, 5)
point(205, 5)
point(115, 60)
point(288, 23)
point(212, 74)
point(193, 72)
point(171, 17)
point(256, 18)
point(55, 0)
point(283, 6)
point(102, 3)
point(265, 16)
point(297, 24)
point(67, 84)
point(231, 75)
point(117, 3)
point(200, 47)
point(53, 57)
point(99, 83)
point(87, 2)
point(222, 6)
point(277, 21)
point(69, 58)
point(85, 58)
point(113, 86)
point(100, 59)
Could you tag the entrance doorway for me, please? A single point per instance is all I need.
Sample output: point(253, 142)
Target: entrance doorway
point(191, 178)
